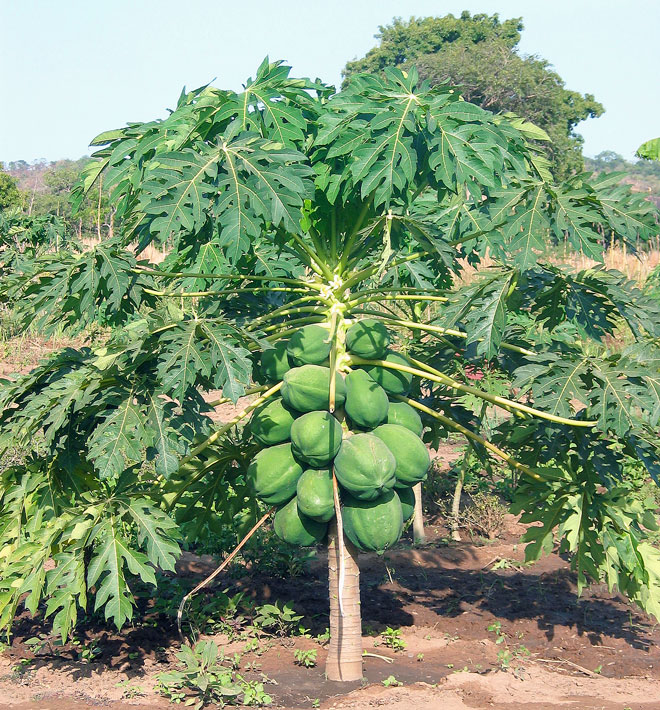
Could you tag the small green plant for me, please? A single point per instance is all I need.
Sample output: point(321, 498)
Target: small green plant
point(36, 644)
point(507, 654)
point(305, 658)
point(316, 703)
point(510, 563)
point(202, 679)
point(392, 639)
point(420, 657)
point(130, 691)
point(278, 619)
point(87, 652)
point(323, 638)
point(391, 682)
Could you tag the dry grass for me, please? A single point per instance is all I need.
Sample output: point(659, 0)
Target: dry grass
point(636, 267)
point(151, 253)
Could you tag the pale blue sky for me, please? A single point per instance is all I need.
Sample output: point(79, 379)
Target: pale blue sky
point(70, 69)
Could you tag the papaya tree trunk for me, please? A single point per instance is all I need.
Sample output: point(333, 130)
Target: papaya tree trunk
point(345, 650)
point(419, 536)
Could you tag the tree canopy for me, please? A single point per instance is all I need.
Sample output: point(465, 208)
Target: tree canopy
point(479, 54)
point(289, 204)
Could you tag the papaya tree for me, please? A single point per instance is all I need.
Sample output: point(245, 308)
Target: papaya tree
point(316, 246)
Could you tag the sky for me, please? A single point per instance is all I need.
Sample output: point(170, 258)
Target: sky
point(70, 69)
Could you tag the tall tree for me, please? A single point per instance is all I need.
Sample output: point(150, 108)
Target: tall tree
point(479, 54)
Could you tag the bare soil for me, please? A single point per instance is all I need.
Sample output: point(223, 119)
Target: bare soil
point(590, 652)
point(561, 651)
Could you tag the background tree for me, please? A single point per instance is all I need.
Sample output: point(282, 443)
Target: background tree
point(479, 54)
point(10, 195)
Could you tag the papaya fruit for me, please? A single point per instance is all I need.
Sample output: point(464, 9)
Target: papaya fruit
point(412, 457)
point(309, 345)
point(307, 388)
point(274, 362)
point(366, 402)
point(297, 529)
point(365, 466)
point(373, 524)
point(315, 495)
point(392, 381)
point(271, 423)
point(368, 338)
point(407, 498)
point(403, 414)
point(316, 438)
point(274, 473)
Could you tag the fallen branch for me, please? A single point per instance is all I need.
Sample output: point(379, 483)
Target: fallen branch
point(582, 669)
point(213, 575)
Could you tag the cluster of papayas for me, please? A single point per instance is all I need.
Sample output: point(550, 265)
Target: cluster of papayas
point(371, 442)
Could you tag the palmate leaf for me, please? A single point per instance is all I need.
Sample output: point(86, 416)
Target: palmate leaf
point(243, 181)
point(594, 300)
point(617, 398)
point(481, 310)
point(525, 235)
point(74, 290)
point(120, 440)
point(273, 103)
point(107, 569)
point(155, 530)
point(556, 382)
point(203, 352)
point(602, 532)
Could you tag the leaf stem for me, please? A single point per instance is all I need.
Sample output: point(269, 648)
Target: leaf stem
point(433, 375)
point(229, 277)
point(472, 436)
point(289, 312)
point(369, 271)
point(348, 244)
point(223, 292)
point(437, 329)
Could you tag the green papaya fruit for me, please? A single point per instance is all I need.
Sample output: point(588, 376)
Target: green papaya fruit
point(274, 473)
point(309, 345)
point(315, 495)
point(403, 414)
point(366, 402)
point(307, 388)
point(392, 381)
point(365, 466)
point(274, 362)
point(407, 498)
point(316, 438)
point(271, 423)
point(412, 457)
point(368, 338)
point(374, 524)
point(297, 529)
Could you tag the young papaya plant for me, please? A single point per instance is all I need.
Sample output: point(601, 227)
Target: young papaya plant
point(316, 242)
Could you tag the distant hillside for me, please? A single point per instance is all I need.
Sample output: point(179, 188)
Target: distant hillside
point(643, 175)
point(45, 188)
